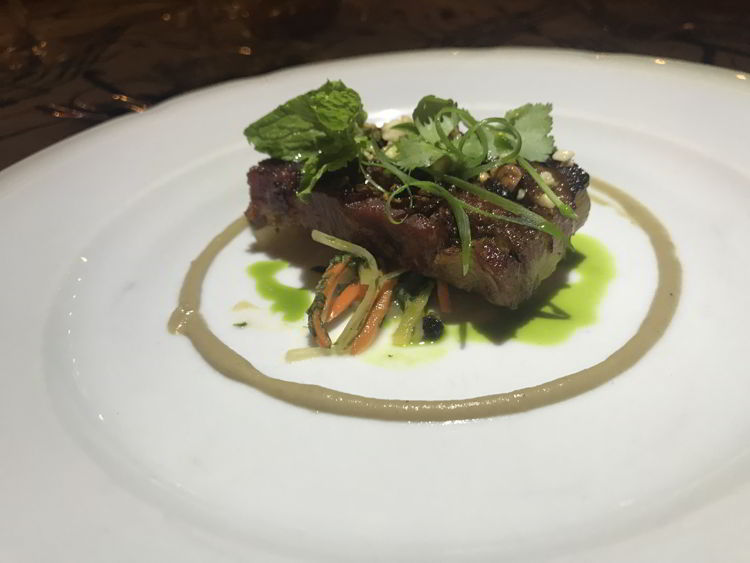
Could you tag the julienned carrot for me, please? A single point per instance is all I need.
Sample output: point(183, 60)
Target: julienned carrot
point(374, 318)
point(333, 276)
point(318, 311)
point(444, 297)
point(349, 295)
point(321, 334)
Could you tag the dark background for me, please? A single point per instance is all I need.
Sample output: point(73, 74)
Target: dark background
point(67, 65)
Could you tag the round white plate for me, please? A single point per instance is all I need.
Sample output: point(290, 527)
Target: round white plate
point(120, 444)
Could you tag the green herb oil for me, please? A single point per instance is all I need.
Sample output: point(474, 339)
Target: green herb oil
point(405, 356)
point(579, 300)
point(290, 301)
point(561, 307)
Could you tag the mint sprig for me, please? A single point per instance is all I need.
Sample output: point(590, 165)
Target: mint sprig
point(318, 129)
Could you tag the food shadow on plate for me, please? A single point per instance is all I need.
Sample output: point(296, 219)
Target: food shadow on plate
point(295, 246)
point(499, 324)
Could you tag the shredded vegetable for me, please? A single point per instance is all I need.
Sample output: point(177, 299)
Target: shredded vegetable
point(299, 354)
point(318, 312)
point(351, 293)
point(369, 275)
point(374, 318)
point(345, 246)
point(375, 291)
point(411, 318)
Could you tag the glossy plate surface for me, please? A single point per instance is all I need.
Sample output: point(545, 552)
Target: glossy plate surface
point(119, 443)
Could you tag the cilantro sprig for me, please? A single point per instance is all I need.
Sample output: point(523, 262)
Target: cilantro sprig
point(440, 151)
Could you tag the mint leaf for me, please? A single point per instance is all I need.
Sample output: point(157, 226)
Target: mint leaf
point(282, 134)
point(318, 129)
point(336, 106)
point(425, 115)
point(534, 123)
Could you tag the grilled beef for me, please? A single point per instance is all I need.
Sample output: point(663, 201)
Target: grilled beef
point(508, 260)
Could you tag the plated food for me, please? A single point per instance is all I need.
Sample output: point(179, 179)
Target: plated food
point(431, 200)
point(412, 207)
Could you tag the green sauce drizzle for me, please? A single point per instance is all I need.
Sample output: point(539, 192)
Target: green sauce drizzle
point(578, 301)
point(559, 308)
point(290, 301)
point(404, 357)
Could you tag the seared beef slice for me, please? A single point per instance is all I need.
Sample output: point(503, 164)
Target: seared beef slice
point(508, 262)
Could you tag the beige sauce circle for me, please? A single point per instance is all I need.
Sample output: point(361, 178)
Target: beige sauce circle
point(186, 319)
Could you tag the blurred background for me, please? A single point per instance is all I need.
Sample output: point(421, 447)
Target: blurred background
point(67, 65)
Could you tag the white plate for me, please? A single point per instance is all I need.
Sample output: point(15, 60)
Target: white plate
point(120, 444)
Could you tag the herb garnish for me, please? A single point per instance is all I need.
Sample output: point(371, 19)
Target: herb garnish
point(443, 149)
point(318, 129)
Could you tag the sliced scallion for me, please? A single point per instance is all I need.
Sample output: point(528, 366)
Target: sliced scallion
point(526, 216)
point(564, 208)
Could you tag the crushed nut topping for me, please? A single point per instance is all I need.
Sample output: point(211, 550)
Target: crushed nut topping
point(508, 176)
point(566, 157)
point(548, 178)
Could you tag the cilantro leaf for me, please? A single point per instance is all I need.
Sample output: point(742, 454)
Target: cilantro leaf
point(499, 144)
point(473, 150)
point(414, 152)
point(408, 127)
point(318, 129)
point(534, 123)
point(425, 114)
